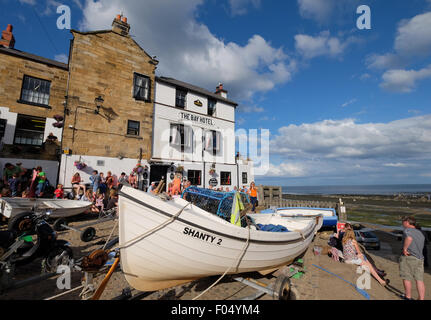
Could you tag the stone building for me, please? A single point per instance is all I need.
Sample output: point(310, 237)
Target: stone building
point(110, 97)
point(32, 94)
point(110, 112)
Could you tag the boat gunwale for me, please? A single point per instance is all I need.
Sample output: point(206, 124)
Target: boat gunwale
point(280, 242)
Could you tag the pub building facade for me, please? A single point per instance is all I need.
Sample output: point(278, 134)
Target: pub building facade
point(110, 112)
point(194, 136)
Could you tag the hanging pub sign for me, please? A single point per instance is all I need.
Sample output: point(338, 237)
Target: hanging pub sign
point(196, 118)
point(213, 182)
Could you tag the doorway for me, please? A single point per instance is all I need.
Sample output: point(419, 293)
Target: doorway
point(157, 173)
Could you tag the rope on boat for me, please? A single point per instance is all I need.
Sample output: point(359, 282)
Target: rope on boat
point(139, 238)
point(238, 261)
point(112, 232)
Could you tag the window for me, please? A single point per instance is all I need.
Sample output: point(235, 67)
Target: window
point(212, 141)
point(141, 87)
point(35, 91)
point(195, 177)
point(180, 100)
point(181, 136)
point(133, 128)
point(244, 178)
point(29, 130)
point(3, 123)
point(212, 107)
point(225, 178)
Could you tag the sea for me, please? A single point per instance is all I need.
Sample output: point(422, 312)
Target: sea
point(386, 190)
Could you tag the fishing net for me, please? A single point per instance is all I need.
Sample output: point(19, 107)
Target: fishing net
point(218, 203)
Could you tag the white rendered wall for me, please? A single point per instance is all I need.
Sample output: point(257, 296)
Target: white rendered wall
point(11, 118)
point(115, 165)
point(49, 167)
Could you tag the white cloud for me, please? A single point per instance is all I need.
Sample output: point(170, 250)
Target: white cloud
point(293, 170)
point(249, 109)
point(322, 45)
point(404, 81)
point(413, 40)
point(326, 11)
point(346, 139)
point(348, 103)
point(187, 49)
point(240, 7)
point(395, 165)
point(30, 2)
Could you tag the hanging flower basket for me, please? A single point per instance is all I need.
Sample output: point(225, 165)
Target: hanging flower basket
point(58, 118)
point(139, 168)
point(80, 165)
point(58, 124)
point(212, 171)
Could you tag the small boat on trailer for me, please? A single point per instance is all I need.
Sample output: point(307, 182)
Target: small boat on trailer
point(330, 218)
point(168, 242)
point(59, 208)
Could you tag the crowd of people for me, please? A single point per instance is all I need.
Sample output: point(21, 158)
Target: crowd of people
point(101, 190)
point(18, 181)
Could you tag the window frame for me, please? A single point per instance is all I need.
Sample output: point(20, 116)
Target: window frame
point(135, 96)
point(21, 96)
point(128, 128)
point(229, 178)
point(214, 108)
point(198, 177)
point(245, 174)
point(29, 130)
point(182, 90)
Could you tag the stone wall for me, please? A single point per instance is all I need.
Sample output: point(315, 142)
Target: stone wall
point(12, 71)
point(103, 64)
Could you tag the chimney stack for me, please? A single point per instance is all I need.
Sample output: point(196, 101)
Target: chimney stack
point(220, 91)
point(7, 38)
point(120, 25)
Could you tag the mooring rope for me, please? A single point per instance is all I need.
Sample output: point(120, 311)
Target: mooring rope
point(238, 261)
point(139, 238)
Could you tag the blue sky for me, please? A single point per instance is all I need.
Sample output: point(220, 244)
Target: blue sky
point(344, 106)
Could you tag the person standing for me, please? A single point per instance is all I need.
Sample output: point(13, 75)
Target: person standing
point(95, 181)
point(253, 196)
point(412, 259)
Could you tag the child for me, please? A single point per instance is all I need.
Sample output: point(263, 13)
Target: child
point(14, 184)
point(59, 192)
point(99, 202)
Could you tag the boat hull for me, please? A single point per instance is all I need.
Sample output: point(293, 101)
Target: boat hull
point(59, 208)
point(330, 218)
point(197, 244)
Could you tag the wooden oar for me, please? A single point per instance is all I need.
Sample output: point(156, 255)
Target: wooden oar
point(105, 281)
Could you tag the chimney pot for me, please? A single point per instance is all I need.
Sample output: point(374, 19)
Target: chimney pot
point(7, 39)
point(124, 19)
point(118, 17)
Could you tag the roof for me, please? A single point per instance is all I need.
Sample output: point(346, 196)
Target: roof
point(195, 89)
point(33, 57)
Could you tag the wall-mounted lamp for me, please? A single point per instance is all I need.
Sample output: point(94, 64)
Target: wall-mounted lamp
point(99, 102)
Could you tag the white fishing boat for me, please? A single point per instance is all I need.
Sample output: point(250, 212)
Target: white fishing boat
point(330, 217)
point(59, 208)
point(165, 243)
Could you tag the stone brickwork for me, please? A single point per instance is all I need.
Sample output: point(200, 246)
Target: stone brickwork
point(12, 71)
point(103, 64)
point(14, 65)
